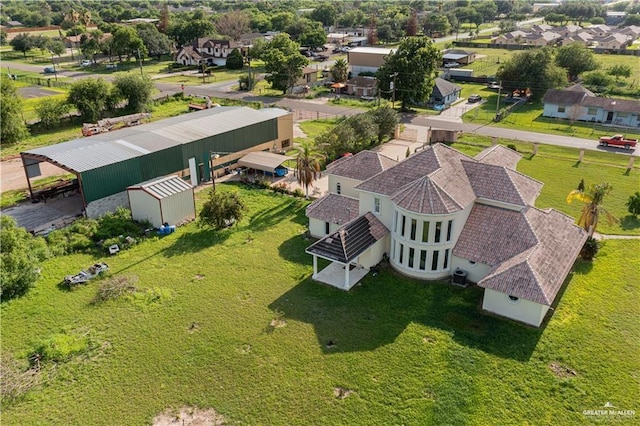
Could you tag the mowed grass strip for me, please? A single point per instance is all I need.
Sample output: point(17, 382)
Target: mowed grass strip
point(244, 330)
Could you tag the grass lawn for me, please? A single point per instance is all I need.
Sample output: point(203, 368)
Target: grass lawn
point(558, 169)
point(236, 324)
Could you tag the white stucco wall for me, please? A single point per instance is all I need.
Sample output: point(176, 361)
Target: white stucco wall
point(346, 185)
point(317, 228)
point(475, 271)
point(367, 204)
point(529, 312)
point(373, 256)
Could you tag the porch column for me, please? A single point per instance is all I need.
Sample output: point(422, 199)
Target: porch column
point(315, 266)
point(346, 276)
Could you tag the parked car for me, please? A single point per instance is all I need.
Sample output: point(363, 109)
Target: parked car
point(474, 98)
point(85, 63)
point(49, 70)
point(451, 65)
point(112, 66)
point(321, 58)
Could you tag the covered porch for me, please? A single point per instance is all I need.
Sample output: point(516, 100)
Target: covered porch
point(340, 275)
point(352, 250)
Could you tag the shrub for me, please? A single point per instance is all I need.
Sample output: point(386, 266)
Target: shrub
point(298, 193)
point(119, 223)
point(512, 147)
point(51, 111)
point(235, 61)
point(633, 204)
point(221, 210)
point(590, 249)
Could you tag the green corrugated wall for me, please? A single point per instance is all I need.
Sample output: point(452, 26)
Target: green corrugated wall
point(114, 178)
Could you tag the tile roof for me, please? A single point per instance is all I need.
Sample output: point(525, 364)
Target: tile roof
point(363, 81)
point(351, 240)
point(563, 97)
point(499, 155)
point(416, 166)
point(361, 166)
point(426, 197)
point(493, 235)
point(501, 184)
point(334, 208)
point(537, 273)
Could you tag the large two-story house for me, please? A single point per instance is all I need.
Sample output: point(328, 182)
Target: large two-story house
point(207, 51)
point(440, 213)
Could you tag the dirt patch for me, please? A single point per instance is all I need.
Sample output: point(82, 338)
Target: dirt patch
point(198, 277)
point(193, 327)
point(562, 370)
point(342, 393)
point(189, 416)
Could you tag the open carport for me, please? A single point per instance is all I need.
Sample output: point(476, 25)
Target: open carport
point(266, 162)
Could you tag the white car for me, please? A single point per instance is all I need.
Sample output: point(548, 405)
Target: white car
point(451, 65)
point(85, 63)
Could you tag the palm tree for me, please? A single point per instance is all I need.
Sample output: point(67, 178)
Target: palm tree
point(592, 199)
point(340, 71)
point(307, 165)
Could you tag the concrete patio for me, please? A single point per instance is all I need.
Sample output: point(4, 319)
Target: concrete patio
point(335, 275)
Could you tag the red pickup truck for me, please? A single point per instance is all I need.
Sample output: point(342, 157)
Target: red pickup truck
point(618, 140)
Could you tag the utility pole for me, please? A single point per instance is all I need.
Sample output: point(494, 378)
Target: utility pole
point(140, 59)
point(55, 72)
point(498, 101)
point(250, 82)
point(393, 88)
point(214, 157)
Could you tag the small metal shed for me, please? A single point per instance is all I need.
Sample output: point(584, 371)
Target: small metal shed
point(264, 161)
point(164, 200)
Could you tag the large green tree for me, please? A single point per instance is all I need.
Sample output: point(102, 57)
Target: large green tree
point(233, 24)
point(20, 259)
point(531, 69)
point(409, 73)
point(340, 71)
point(23, 43)
point(126, 41)
point(186, 31)
point(51, 111)
point(576, 59)
point(283, 62)
point(386, 119)
point(436, 23)
point(135, 89)
point(91, 97)
point(324, 13)
point(156, 43)
point(12, 127)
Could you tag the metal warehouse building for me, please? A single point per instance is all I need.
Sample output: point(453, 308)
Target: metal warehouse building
point(187, 145)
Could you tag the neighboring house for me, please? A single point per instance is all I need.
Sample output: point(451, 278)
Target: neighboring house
point(337, 38)
point(440, 213)
point(614, 18)
point(362, 86)
point(207, 51)
point(366, 59)
point(579, 104)
point(464, 57)
point(309, 77)
point(444, 92)
point(74, 41)
point(14, 24)
point(614, 42)
point(543, 39)
point(584, 38)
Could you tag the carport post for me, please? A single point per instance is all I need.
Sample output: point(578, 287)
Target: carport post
point(26, 173)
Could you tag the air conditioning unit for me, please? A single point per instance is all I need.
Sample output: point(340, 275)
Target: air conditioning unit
point(460, 277)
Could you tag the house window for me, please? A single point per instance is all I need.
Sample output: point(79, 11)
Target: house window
point(338, 188)
point(395, 222)
point(414, 225)
point(423, 260)
point(425, 232)
point(400, 258)
point(623, 114)
point(560, 109)
point(393, 249)
point(513, 299)
point(412, 252)
point(449, 226)
point(286, 143)
point(592, 111)
point(326, 228)
point(438, 229)
point(404, 222)
point(434, 261)
point(446, 259)
point(376, 205)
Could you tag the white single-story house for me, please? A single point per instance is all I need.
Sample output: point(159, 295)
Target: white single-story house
point(579, 104)
point(362, 86)
point(441, 213)
point(444, 92)
point(167, 199)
